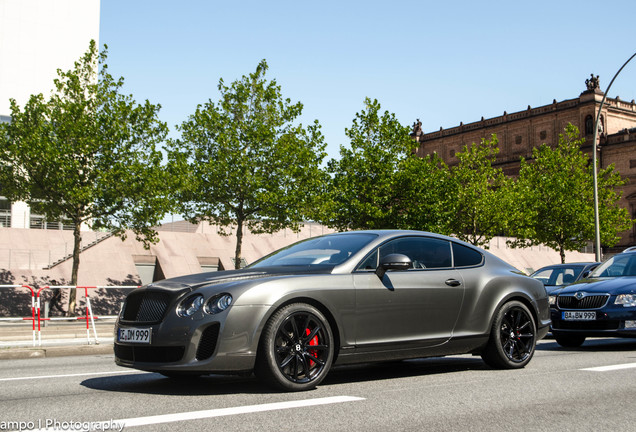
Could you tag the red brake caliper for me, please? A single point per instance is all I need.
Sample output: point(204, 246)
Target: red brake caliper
point(313, 341)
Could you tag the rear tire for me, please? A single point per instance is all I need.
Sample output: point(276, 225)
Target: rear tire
point(296, 348)
point(512, 337)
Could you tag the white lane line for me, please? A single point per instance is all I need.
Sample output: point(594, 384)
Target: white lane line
point(69, 375)
point(196, 415)
point(611, 368)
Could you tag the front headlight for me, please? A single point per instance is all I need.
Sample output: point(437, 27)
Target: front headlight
point(552, 300)
point(627, 300)
point(218, 303)
point(190, 306)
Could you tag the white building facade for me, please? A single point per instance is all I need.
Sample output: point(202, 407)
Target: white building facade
point(38, 37)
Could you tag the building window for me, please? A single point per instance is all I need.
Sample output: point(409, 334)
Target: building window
point(243, 262)
point(543, 135)
point(518, 139)
point(5, 213)
point(632, 163)
point(38, 222)
point(209, 264)
point(589, 125)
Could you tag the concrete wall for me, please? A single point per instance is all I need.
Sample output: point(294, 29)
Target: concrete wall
point(24, 253)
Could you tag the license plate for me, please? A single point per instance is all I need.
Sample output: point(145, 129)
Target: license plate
point(579, 316)
point(134, 335)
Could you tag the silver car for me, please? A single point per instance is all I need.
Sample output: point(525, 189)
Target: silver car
point(338, 299)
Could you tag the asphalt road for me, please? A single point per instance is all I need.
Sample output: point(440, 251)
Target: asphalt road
point(555, 392)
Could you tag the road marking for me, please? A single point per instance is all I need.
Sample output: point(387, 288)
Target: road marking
point(196, 415)
point(611, 368)
point(68, 375)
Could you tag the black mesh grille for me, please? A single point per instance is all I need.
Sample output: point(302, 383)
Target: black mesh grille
point(146, 306)
point(207, 343)
point(149, 354)
point(588, 302)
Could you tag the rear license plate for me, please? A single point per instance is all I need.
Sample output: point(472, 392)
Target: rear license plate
point(134, 335)
point(579, 316)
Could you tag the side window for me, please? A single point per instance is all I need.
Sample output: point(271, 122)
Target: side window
point(370, 263)
point(465, 256)
point(424, 252)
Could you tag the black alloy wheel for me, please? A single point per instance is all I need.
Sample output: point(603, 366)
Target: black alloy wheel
point(512, 338)
point(296, 348)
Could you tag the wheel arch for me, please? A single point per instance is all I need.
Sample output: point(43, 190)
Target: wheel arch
point(521, 299)
point(335, 329)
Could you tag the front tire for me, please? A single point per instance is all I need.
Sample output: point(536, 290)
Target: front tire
point(296, 349)
point(512, 337)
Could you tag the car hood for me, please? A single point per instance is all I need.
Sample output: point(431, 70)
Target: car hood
point(223, 278)
point(625, 284)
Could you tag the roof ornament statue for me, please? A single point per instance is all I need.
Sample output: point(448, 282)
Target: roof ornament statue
point(593, 83)
point(417, 128)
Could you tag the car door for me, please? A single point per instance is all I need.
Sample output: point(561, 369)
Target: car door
point(417, 307)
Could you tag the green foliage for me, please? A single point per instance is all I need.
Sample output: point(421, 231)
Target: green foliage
point(425, 189)
point(480, 194)
point(363, 192)
point(379, 182)
point(87, 154)
point(243, 161)
point(554, 194)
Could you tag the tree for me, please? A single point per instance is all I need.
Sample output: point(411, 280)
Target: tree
point(363, 190)
point(87, 155)
point(554, 193)
point(244, 162)
point(379, 182)
point(480, 194)
point(424, 189)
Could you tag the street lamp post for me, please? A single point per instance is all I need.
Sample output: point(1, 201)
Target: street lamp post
point(597, 228)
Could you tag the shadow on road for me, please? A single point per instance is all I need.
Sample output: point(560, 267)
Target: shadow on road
point(591, 345)
point(154, 383)
point(403, 369)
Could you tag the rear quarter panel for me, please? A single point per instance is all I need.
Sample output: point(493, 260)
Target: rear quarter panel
point(488, 288)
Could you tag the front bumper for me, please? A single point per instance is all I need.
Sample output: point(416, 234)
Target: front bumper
point(226, 342)
point(610, 322)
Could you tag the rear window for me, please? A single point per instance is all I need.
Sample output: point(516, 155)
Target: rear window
point(464, 256)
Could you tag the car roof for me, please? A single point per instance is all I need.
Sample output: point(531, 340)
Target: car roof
point(577, 264)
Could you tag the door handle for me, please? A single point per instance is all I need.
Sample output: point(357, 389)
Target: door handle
point(453, 282)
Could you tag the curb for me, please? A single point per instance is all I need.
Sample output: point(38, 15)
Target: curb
point(50, 352)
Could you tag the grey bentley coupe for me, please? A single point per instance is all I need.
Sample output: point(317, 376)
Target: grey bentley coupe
point(342, 298)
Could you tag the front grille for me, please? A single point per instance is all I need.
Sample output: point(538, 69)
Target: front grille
point(146, 306)
point(149, 354)
point(585, 325)
point(207, 343)
point(587, 302)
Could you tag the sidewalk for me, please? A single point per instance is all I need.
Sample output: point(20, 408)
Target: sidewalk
point(57, 339)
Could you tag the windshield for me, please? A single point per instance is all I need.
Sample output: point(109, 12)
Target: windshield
point(558, 276)
point(328, 250)
point(618, 265)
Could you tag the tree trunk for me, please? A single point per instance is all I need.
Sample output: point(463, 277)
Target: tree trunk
point(239, 243)
point(77, 240)
point(562, 253)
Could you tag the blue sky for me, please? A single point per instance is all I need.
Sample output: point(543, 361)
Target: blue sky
point(442, 62)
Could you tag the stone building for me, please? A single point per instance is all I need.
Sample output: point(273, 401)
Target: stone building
point(519, 132)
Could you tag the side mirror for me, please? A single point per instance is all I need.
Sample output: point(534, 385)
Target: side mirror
point(393, 262)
